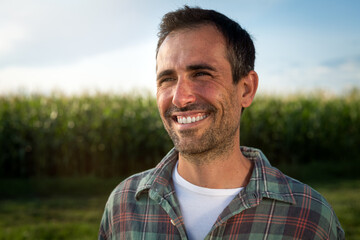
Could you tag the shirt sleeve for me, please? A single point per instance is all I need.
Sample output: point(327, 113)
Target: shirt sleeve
point(105, 229)
point(340, 232)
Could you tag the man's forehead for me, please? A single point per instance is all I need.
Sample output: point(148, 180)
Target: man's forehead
point(194, 30)
point(195, 42)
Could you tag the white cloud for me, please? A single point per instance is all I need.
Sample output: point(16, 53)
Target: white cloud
point(11, 34)
point(59, 32)
point(117, 71)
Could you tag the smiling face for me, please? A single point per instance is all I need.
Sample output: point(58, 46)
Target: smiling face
point(197, 100)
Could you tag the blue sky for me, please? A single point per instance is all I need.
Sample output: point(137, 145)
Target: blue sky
point(109, 46)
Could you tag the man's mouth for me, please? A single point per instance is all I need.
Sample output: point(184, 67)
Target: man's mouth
point(190, 118)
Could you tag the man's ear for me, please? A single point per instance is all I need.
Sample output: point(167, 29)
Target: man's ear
point(247, 88)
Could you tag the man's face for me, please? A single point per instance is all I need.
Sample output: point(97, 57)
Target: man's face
point(197, 100)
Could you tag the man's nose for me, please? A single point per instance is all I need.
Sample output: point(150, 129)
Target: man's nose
point(183, 93)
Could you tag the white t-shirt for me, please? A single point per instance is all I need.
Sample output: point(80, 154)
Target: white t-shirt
point(200, 207)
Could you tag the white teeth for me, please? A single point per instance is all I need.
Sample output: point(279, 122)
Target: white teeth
point(185, 120)
point(188, 120)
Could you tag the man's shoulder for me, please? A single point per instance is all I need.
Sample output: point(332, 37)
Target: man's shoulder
point(130, 185)
point(312, 205)
point(301, 200)
point(276, 183)
point(130, 189)
point(306, 195)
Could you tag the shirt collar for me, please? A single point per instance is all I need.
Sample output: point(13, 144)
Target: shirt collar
point(265, 182)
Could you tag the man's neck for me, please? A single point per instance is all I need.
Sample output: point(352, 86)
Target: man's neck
point(228, 170)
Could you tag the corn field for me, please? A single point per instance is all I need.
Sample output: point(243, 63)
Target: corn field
point(116, 135)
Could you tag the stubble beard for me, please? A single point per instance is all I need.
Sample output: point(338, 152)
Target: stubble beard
point(215, 141)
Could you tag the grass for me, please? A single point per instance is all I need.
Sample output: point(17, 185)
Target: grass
point(51, 218)
point(52, 208)
point(72, 208)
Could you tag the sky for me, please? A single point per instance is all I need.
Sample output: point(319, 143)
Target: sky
point(88, 46)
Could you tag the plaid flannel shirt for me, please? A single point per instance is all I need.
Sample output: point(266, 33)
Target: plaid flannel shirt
point(271, 206)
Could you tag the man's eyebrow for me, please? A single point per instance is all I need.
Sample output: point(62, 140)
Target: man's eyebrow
point(188, 68)
point(200, 67)
point(164, 73)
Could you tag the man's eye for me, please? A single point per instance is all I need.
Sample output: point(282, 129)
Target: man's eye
point(168, 79)
point(164, 80)
point(199, 74)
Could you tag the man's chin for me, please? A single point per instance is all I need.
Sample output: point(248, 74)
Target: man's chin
point(188, 149)
point(189, 142)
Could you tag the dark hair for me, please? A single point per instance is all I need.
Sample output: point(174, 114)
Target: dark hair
point(240, 47)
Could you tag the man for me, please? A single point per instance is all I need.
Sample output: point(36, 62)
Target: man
point(208, 187)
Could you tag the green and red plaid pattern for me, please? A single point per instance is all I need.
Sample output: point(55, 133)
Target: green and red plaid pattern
point(271, 206)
